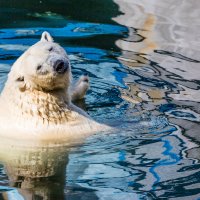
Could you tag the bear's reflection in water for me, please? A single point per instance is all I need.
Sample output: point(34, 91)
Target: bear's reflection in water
point(36, 170)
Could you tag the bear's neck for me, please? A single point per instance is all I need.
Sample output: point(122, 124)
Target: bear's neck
point(44, 106)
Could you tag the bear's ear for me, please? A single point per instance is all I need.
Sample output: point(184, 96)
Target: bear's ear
point(46, 37)
point(21, 84)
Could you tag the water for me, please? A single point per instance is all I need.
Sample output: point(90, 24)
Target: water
point(143, 61)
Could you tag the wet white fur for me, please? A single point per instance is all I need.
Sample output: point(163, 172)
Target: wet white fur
point(37, 105)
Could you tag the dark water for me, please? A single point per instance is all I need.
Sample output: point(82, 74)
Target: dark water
point(143, 61)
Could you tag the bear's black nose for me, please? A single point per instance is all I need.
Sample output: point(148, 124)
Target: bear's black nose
point(60, 66)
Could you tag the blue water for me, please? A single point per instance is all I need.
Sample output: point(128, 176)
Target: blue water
point(150, 97)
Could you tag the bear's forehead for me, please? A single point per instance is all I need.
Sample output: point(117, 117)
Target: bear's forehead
point(46, 46)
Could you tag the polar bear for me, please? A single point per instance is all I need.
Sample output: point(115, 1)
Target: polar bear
point(36, 102)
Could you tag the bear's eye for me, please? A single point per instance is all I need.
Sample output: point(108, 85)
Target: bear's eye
point(39, 67)
point(50, 49)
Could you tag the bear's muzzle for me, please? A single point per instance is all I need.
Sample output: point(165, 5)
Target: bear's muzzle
point(60, 66)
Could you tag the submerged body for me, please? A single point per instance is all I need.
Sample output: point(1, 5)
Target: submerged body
point(36, 100)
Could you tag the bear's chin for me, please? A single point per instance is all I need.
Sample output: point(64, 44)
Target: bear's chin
point(53, 88)
point(50, 87)
point(49, 83)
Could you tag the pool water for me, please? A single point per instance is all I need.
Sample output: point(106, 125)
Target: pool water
point(143, 61)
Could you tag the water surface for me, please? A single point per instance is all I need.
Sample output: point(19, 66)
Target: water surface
point(143, 61)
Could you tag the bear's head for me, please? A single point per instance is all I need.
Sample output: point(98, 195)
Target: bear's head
point(44, 66)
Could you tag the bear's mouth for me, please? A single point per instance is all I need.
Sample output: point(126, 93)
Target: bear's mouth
point(43, 73)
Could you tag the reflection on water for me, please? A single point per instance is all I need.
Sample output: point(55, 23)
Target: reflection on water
point(36, 170)
point(143, 61)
